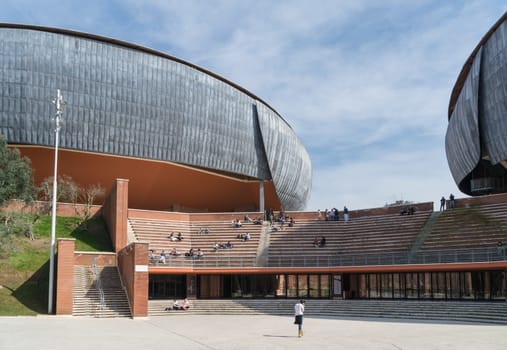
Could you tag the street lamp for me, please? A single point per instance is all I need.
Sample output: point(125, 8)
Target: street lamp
point(59, 102)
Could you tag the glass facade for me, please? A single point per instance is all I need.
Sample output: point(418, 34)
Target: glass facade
point(462, 285)
point(167, 287)
point(477, 285)
point(264, 286)
point(129, 101)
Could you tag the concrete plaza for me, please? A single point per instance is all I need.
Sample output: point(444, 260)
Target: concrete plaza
point(242, 332)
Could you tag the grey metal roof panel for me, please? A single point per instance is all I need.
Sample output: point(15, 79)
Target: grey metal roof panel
point(462, 141)
point(131, 102)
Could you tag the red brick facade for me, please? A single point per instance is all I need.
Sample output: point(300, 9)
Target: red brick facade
point(133, 266)
point(115, 213)
point(65, 276)
point(99, 258)
point(481, 200)
point(62, 209)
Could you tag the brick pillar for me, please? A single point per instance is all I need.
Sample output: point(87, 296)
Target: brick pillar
point(65, 276)
point(141, 276)
point(122, 200)
point(115, 213)
point(133, 266)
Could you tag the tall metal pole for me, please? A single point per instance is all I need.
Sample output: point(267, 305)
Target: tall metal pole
point(59, 105)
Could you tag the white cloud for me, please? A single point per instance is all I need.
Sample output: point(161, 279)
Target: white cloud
point(383, 178)
point(364, 84)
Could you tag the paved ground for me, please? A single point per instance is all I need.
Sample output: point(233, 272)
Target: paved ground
point(241, 332)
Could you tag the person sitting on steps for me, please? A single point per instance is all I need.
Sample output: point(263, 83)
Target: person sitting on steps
point(179, 305)
point(163, 257)
point(174, 252)
point(319, 243)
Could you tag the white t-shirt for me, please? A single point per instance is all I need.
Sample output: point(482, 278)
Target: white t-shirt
point(299, 309)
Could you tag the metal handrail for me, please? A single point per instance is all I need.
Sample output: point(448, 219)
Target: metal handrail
point(98, 286)
point(208, 261)
point(444, 256)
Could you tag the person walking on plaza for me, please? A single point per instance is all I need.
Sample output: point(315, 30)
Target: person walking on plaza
point(299, 310)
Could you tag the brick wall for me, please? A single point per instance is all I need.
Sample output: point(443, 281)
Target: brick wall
point(133, 267)
point(297, 215)
point(62, 209)
point(65, 276)
point(481, 200)
point(164, 215)
point(115, 213)
point(88, 258)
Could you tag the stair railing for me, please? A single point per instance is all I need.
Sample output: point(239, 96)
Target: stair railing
point(124, 289)
point(98, 286)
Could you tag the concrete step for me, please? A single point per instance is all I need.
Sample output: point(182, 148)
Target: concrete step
point(87, 298)
point(476, 312)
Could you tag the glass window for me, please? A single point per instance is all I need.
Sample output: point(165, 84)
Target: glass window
point(167, 286)
point(303, 286)
point(454, 285)
point(387, 285)
point(374, 285)
point(362, 286)
point(325, 286)
point(281, 290)
point(292, 291)
point(498, 285)
point(438, 285)
point(411, 285)
point(479, 284)
point(425, 285)
point(314, 286)
point(337, 285)
point(398, 286)
point(468, 291)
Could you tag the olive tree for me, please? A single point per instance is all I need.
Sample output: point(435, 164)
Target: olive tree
point(16, 180)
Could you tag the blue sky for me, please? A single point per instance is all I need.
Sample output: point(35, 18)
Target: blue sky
point(364, 84)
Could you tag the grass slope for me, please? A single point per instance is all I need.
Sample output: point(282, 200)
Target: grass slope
point(24, 263)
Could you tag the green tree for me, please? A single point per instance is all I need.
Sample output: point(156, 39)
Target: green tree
point(16, 180)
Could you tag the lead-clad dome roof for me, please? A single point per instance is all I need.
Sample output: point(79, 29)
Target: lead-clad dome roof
point(476, 139)
point(126, 100)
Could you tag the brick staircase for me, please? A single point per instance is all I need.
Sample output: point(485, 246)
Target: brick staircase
point(87, 297)
point(442, 311)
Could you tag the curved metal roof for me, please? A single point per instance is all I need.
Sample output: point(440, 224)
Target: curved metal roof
point(139, 48)
point(460, 81)
point(136, 102)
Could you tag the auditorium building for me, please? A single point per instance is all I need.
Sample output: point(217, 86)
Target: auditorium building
point(186, 152)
